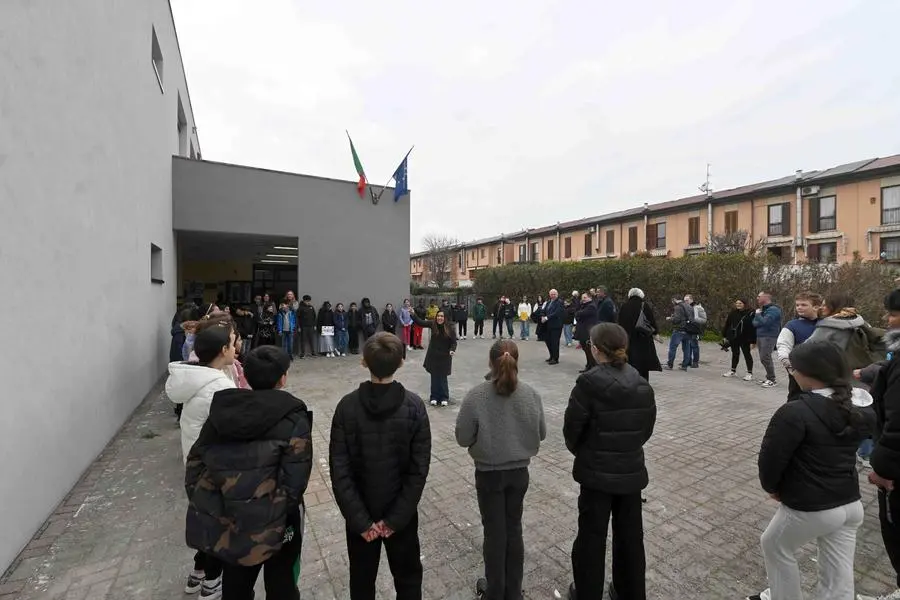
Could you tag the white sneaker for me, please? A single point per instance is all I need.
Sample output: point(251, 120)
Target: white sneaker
point(212, 589)
point(444, 403)
point(728, 374)
point(748, 377)
point(763, 595)
point(768, 383)
point(434, 402)
point(409, 348)
point(895, 595)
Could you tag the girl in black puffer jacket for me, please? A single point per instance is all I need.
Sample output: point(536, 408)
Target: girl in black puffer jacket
point(739, 335)
point(807, 462)
point(610, 417)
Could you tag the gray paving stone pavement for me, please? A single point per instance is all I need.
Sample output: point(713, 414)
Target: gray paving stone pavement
point(120, 532)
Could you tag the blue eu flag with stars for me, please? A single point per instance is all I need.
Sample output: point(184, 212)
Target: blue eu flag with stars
point(402, 185)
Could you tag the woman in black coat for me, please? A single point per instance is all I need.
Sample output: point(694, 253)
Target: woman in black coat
point(439, 356)
point(585, 319)
point(740, 335)
point(641, 340)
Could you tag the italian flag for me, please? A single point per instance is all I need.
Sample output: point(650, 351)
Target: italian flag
point(361, 185)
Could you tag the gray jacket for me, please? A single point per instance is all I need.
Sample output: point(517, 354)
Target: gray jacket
point(501, 432)
point(836, 329)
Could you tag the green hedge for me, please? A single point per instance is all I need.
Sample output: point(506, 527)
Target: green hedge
point(716, 280)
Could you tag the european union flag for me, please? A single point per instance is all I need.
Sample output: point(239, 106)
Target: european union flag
point(400, 178)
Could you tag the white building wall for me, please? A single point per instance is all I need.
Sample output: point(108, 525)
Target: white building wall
point(86, 138)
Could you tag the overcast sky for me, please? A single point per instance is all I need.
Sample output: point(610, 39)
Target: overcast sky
point(528, 113)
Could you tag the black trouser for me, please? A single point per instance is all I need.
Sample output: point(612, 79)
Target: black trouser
point(551, 338)
point(498, 324)
point(500, 498)
point(278, 574)
point(588, 355)
point(645, 373)
point(479, 327)
point(298, 342)
point(462, 328)
point(589, 551)
point(207, 563)
point(793, 387)
point(308, 339)
point(353, 344)
point(889, 515)
point(403, 553)
point(736, 350)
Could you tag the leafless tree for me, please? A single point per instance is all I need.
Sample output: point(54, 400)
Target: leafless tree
point(734, 242)
point(441, 257)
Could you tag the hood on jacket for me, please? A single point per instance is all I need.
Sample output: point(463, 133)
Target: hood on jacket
point(187, 379)
point(380, 400)
point(366, 303)
point(892, 340)
point(834, 419)
point(247, 414)
point(846, 319)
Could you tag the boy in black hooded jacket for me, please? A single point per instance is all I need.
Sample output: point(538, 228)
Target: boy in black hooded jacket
point(379, 457)
point(245, 478)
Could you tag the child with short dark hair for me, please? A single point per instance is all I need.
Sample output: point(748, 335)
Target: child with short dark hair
point(378, 485)
point(245, 479)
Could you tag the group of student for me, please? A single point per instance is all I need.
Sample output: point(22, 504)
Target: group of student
point(842, 413)
point(248, 458)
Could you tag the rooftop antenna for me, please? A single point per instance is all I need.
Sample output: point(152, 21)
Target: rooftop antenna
point(706, 188)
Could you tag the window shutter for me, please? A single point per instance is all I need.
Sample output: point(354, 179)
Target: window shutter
point(812, 252)
point(786, 218)
point(814, 215)
point(651, 237)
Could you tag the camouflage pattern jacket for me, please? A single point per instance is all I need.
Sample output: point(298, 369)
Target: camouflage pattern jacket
point(246, 475)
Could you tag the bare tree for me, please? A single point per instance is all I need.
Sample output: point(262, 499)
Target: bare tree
point(736, 242)
point(441, 257)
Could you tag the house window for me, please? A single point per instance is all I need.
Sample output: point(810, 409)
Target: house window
point(822, 214)
point(588, 244)
point(550, 249)
point(779, 219)
point(782, 253)
point(567, 245)
point(632, 239)
point(523, 256)
point(731, 221)
point(610, 242)
point(656, 236)
point(534, 250)
point(156, 58)
point(182, 129)
point(890, 205)
point(499, 256)
point(890, 248)
point(483, 252)
point(156, 264)
point(823, 253)
point(693, 231)
point(459, 260)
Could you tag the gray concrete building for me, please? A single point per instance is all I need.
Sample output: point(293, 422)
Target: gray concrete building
point(102, 230)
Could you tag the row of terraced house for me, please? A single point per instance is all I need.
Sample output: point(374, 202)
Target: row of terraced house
point(827, 216)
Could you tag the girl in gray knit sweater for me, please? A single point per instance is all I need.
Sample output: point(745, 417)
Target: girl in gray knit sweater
point(501, 422)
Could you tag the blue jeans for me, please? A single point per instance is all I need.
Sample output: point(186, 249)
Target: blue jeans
point(680, 338)
point(440, 387)
point(694, 341)
point(525, 329)
point(287, 343)
point(865, 448)
point(509, 327)
point(341, 339)
point(567, 333)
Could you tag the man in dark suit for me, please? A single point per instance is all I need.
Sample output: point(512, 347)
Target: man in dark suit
point(553, 321)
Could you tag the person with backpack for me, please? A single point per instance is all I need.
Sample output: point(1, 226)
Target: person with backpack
point(841, 324)
point(682, 315)
point(693, 329)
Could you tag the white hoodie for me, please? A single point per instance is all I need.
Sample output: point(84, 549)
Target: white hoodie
point(193, 386)
point(524, 310)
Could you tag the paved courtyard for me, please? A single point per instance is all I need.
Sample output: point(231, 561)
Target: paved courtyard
point(119, 534)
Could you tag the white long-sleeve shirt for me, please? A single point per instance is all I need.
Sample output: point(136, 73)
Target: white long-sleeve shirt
point(524, 309)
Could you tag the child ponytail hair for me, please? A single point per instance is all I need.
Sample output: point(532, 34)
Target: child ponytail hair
point(612, 341)
point(505, 367)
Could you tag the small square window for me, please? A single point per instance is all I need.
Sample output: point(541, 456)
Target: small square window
point(156, 264)
point(156, 58)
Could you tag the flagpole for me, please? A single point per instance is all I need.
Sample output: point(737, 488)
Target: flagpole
point(384, 187)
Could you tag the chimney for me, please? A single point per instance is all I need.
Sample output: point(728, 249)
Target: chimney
point(799, 175)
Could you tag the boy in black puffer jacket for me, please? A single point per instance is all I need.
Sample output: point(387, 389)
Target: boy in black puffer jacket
point(379, 457)
point(245, 478)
